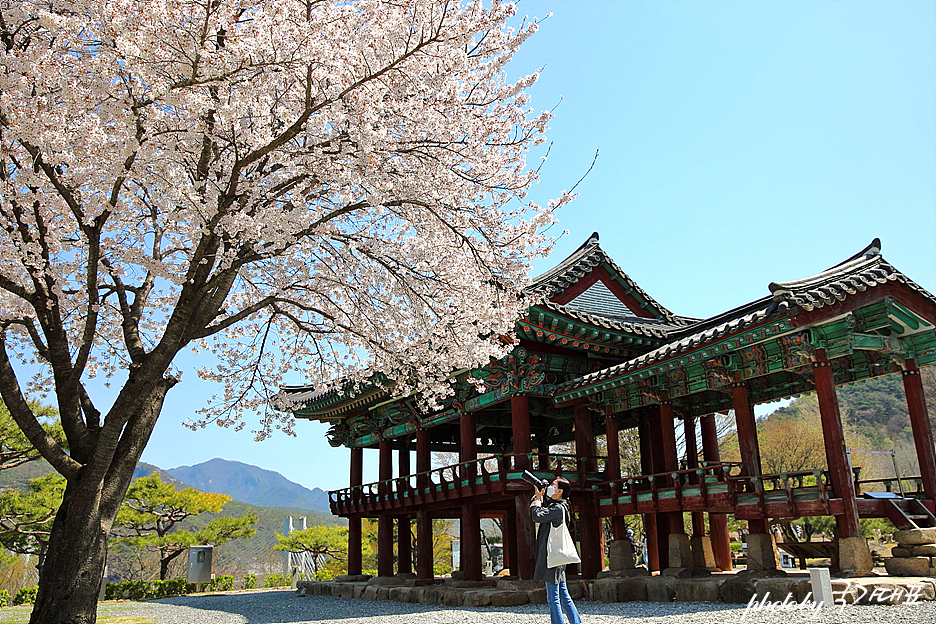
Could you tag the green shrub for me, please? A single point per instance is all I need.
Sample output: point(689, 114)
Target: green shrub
point(276, 580)
point(249, 582)
point(324, 575)
point(5, 599)
point(147, 590)
point(26, 595)
point(225, 582)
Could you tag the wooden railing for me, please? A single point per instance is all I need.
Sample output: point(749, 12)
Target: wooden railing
point(629, 488)
point(766, 487)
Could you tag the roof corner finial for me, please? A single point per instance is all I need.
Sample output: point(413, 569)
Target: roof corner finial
point(874, 249)
point(592, 240)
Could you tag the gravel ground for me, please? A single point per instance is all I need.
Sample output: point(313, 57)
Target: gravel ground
point(285, 607)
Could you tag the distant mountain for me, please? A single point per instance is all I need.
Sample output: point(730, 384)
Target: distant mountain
point(144, 470)
point(250, 484)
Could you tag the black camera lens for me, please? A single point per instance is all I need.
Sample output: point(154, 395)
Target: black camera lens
point(533, 480)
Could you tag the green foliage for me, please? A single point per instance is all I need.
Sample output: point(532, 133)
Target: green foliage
point(249, 582)
point(5, 598)
point(276, 580)
point(324, 575)
point(26, 516)
point(147, 590)
point(151, 510)
point(15, 448)
point(26, 595)
point(320, 541)
point(224, 582)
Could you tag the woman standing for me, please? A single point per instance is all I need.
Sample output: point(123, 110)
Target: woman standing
point(550, 512)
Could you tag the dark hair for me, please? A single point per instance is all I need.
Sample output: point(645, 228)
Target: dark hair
point(566, 487)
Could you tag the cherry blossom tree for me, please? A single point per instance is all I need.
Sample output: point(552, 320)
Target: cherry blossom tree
point(327, 185)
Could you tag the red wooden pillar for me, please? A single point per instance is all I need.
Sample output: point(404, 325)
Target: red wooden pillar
point(524, 539)
point(747, 440)
point(354, 522)
point(509, 524)
point(404, 534)
point(589, 522)
point(470, 516)
point(384, 519)
point(650, 520)
point(423, 459)
point(424, 563)
point(692, 462)
point(834, 438)
point(673, 520)
point(522, 436)
point(613, 470)
point(718, 523)
point(920, 425)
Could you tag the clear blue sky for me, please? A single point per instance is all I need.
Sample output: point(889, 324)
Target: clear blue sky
point(740, 143)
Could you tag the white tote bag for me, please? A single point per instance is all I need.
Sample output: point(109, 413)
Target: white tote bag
point(560, 549)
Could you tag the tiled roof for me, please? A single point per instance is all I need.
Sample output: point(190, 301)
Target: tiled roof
point(579, 264)
point(864, 270)
point(633, 325)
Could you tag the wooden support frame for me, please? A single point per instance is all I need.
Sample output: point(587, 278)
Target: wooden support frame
point(920, 425)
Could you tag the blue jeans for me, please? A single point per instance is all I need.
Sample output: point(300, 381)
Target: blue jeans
point(558, 596)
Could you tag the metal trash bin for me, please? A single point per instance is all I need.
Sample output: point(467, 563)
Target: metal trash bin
point(199, 564)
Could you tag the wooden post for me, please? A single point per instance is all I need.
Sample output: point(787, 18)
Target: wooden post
point(468, 449)
point(692, 462)
point(834, 438)
point(510, 541)
point(470, 542)
point(525, 540)
point(718, 522)
point(354, 522)
point(423, 459)
point(522, 436)
point(920, 425)
point(613, 470)
point(646, 467)
point(747, 440)
point(404, 533)
point(384, 519)
point(424, 563)
point(673, 523)
point(589, 522)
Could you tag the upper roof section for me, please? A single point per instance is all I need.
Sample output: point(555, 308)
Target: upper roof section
point(590, 281)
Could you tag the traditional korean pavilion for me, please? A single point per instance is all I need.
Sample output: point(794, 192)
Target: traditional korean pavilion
point(600, 355)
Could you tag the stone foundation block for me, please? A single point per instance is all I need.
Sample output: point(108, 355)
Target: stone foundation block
point(370, 592)
point(921, 550)
point(661, 589)
point(761, 552)
point(578, 590)
point(911, 537)
point(776, 589)
point(697, 590)
point(452, 598)
point(702, 554)
point(509, 598)
point(680, 551)
point(901, 551)
point(854, 555)
point(908, 566)
point(606, 590)
point(620, 555)
point(738, 590)
point(399, 594)
point(537, 596)
point(633, 589)
point(476, 598)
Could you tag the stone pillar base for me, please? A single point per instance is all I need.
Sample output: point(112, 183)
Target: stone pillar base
point(854, 556)
point(680, 551)
point(702, 554)
point(762, 552)
point(620, 555)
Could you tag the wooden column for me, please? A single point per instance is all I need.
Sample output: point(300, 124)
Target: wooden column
point(424, 562)
point(673, 520)
point(920, 425)
point(718, 522)
point(354, 522)
point(834, 438)
point(510, 541)
point(423, 458)
point(613, 470)
point(525, 540)
point(646, 467)
point(747, 440)
point(589, 522)
point(404, 533)
point(468, 449)
point(692, 462)
point(470, 516)
point(384, 519)
point(522, 435)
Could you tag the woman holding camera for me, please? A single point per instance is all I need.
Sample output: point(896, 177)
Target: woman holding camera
point(550, 511)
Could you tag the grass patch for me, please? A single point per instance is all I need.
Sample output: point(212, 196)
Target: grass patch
point(20, 615)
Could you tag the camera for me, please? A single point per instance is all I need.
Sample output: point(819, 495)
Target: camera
point(533, 480)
